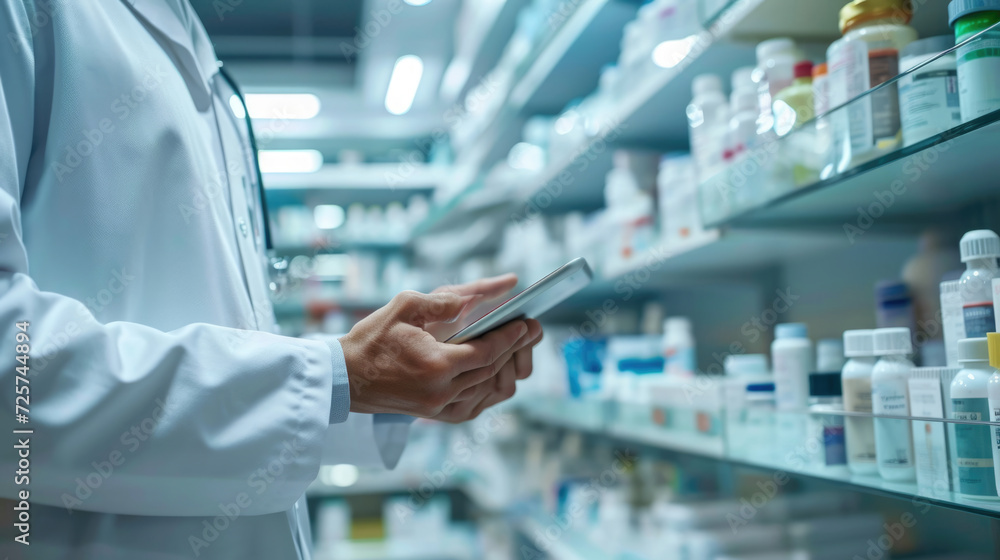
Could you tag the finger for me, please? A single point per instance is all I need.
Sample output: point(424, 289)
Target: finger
point(485, 350)
point(487, 287)
point(419, 309)
point(506, 387)
point(484, 374)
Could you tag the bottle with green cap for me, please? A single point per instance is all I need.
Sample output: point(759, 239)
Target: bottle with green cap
point(993, 392)
point(979, 61)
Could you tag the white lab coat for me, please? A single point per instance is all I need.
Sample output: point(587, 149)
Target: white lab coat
point(161, 402)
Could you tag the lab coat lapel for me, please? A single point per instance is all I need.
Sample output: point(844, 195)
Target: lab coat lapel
point(162, 21)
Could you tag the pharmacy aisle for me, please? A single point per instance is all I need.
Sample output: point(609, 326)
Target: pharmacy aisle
point(789, 348)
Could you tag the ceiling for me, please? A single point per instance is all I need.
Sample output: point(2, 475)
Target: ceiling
point(343, 51)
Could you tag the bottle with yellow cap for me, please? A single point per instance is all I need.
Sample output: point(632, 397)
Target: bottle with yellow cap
point(993, 394)
point(866, 56)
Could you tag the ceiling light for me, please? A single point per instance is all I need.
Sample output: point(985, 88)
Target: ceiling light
point(328, 216)
point(290, 161)
point(403, 84)
point(669, 54)
point(417, 2)
point(293, 106)
point(339, 475)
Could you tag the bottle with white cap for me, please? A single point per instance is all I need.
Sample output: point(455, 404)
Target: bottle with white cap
point(890, 396)
point(678, 347)
point(970, 402)
point(708, 121)
point(856, 380)
point(980, 249)
point(775, 71)
point(743, 111)
point(792, 358)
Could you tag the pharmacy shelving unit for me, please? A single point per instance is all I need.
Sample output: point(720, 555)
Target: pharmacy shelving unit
point(643, 426)
point(650, 115)
point(945, 180)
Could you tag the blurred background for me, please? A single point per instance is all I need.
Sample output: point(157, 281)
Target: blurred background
point(726, 166)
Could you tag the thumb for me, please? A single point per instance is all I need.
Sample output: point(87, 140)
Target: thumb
point(419, 309)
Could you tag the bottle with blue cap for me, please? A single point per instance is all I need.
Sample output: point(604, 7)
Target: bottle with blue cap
point(793, 359)
point(978, 61)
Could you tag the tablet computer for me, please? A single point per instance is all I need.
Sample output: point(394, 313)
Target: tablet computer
point(538, 298)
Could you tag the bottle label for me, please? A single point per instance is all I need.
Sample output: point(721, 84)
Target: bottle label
point(928, 103)
point(978, 65)
point(883, 65)
point(930, 447)
point(979, 319)
point(973, 447)
point(995, 441)
point(893, 439)
point(835, 452)
point(859, 432)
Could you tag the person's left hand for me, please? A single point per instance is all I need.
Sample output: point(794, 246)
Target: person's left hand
point(516, 365)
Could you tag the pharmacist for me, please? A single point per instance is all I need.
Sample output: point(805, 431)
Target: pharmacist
point(168, 421)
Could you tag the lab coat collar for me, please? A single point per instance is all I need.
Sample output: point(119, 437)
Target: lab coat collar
point(196, 59)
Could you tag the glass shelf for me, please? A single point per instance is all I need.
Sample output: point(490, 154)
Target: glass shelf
point(764, 438)
point(825, 169)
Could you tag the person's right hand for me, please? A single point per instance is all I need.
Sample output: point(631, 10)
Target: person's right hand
point(395, 366)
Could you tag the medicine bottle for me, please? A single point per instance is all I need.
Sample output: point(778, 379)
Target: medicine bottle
point(856, 382)
point(970, 402)
point(866, 56)
point(825, 396)
point(980, 249)
point(792, 359)
point(794, 105)
point(993, 395)
point(775, 71)
point(978, 61)
point(928, 96)
point(708, 123)
point(890, 396)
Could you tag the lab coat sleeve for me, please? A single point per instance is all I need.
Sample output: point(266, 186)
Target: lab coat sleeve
point(365, 440)
point(127, 419)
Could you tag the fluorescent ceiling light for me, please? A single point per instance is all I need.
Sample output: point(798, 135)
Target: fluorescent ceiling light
point(338, 475)
point(328, 216)
point(671, 53)
point(403, 84)
point(290, 161)
point(294, 106)
point(418, 2)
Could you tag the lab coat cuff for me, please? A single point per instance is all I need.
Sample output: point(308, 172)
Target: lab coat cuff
point(340, 397)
